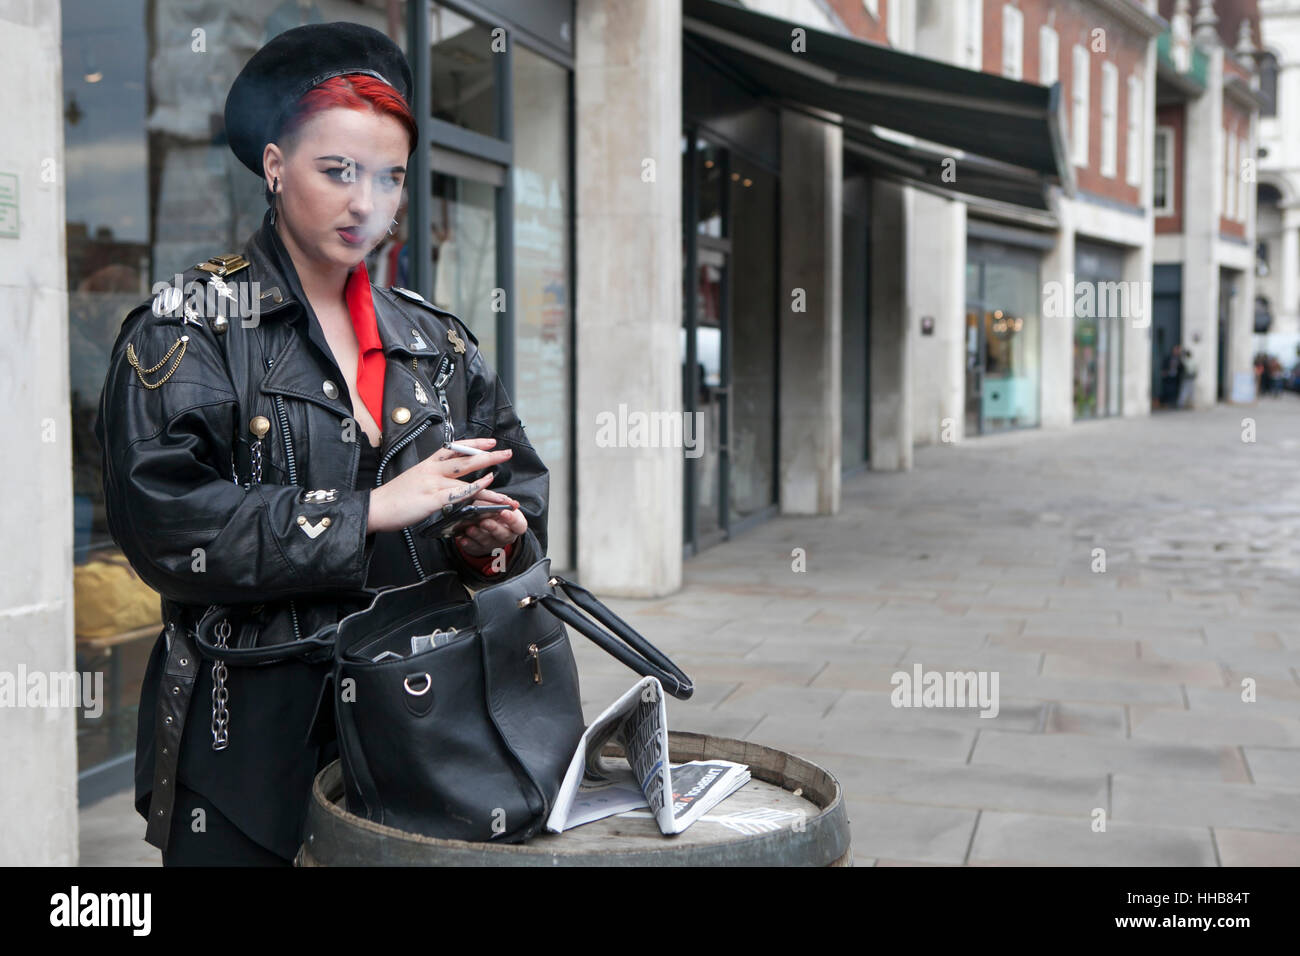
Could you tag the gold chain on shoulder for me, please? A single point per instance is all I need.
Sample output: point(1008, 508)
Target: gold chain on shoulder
point(182, 343)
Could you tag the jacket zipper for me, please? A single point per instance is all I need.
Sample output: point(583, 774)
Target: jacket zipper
point(379, 479)
point(292, 467)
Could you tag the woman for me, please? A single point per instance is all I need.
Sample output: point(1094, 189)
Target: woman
point(274, 431)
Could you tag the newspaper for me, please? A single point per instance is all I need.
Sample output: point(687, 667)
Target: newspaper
point(676, 794)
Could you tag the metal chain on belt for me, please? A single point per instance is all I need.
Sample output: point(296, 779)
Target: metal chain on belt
point(220, 716)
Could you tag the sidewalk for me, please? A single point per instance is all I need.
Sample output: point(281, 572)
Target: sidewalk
point(1119, 690)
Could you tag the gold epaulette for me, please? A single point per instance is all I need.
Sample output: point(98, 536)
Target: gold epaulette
point(222, 266)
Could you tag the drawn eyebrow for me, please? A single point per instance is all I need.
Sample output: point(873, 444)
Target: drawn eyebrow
point(345, 161)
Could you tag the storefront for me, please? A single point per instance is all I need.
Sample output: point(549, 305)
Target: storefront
point(1003, 340)
point(730, 175)
point(152, 188)
point(1098, 331)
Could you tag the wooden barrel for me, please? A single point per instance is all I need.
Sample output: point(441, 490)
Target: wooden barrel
point(791, 813)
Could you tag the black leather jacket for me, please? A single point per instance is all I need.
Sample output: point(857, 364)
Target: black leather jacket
point(180, 468)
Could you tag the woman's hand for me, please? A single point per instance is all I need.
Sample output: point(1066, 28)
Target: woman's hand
point(482, 537)
point(420, 491)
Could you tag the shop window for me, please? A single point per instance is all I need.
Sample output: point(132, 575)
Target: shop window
point(463, 71)
point(151, 189)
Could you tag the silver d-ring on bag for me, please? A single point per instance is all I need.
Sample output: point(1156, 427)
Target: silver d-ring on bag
point(428, 683)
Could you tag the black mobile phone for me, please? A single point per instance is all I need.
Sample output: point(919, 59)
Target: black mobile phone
point(451, 519)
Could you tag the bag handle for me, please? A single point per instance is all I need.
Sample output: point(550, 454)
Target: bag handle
point(321, 640)
point(625, 644)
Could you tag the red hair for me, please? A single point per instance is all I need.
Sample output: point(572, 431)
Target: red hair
point(356, 91)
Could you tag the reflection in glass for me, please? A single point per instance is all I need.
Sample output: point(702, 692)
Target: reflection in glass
point(751, 439)
point(1002, 343)
point(464, 255)
point(542, 275)
point(706, 380)
point(463, 68)
point(711, 160)
point(106, 73)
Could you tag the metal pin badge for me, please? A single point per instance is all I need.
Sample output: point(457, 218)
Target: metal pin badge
point(420, 395)
point(223, 290)
point(417, 341)
point(167, 300)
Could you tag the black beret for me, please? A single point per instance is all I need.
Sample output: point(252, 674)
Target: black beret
point(291, 64)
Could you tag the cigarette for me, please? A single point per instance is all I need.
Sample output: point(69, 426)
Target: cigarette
point(465, 449)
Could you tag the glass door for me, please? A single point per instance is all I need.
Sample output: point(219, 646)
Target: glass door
point(706, 342)
point(1002, 338)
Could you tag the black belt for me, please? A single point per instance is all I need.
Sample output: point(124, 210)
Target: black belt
point(175, 689)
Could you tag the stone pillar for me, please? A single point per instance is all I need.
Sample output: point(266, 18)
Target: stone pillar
point(1204, 191)
point(628, 100)
point(1287, 264)
point(1139, 265)
point(1241, 323)
point(891, 429)
point(38, 744)
point(1058, 330)
point(810, 315)
point(937, 260)
point(937, 289)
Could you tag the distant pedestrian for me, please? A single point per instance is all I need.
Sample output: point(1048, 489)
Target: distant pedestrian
point(1169, 377)
point(1187, 382)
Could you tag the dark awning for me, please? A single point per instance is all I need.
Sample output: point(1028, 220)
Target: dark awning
point(925, 166)
point(1014, 127)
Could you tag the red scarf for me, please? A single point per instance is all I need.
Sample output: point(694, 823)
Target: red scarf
point(370, 356)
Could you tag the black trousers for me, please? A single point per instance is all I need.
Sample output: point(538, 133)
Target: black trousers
point(218, 843)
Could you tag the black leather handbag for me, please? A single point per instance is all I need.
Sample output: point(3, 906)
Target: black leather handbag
point(469, 736)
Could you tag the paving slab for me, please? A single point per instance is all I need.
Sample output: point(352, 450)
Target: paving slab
point(1154, 799)
point(1018, 839)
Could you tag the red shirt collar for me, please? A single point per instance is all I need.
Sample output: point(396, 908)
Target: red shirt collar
point(361, 308)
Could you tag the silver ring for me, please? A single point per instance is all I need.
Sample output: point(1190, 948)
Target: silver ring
point(428, 682)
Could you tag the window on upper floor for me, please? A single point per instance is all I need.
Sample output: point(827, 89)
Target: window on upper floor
point(1162, 172)
point(898, 24)
point(1079, 82)
point(1267, 64)
point(1228, 207)
point(1049, 56)
point(1109, 118)
point(1133, 130)
point(1013, 46)
point(1243, 192)
point(975, 34)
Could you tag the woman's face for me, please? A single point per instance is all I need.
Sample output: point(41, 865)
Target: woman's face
point(341, 178)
